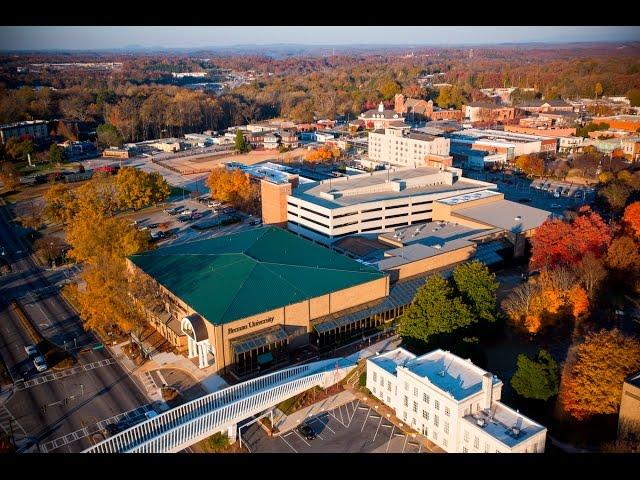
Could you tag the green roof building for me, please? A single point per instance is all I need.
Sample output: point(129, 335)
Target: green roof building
point(241, 294)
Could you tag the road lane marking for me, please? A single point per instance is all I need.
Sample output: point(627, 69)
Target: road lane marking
point(133, 415)
point(50, 377)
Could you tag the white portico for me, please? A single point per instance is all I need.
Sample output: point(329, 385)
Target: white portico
point(198, 340)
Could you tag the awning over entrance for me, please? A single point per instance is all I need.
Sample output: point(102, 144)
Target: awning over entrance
point(258, 339)
point(199, 328)
point(400, 294)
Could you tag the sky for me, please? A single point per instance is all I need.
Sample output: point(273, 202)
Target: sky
point(102, 37)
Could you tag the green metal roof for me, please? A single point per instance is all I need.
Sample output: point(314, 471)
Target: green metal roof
point(231, 277)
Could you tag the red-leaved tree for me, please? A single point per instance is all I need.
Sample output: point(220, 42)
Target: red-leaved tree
point(558, 242)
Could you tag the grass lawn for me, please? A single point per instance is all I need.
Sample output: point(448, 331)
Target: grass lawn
point(179, 192)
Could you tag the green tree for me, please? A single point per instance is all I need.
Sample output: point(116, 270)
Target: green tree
point(536, 378)
point(109, 136)
point(478, 287)
point(615, 193)
point(56, 154)
point(435, 310)
point(241, 144)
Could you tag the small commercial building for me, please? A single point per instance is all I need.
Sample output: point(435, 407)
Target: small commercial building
point(629, 416)
point(452, 402)
point(380, 118)
point(631, 148)
point(245, 300)
point(37, 129)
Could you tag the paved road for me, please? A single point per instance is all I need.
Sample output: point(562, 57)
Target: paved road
point(97, 391)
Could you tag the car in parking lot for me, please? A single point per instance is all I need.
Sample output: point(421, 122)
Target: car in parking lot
point(307, 432)
point(31, 350)
point(153, 225)
point(174, 210)
point(256, 221)
point(213, 204)
point(40, 363)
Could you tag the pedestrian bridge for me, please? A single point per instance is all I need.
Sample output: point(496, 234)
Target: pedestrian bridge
point(176, 429)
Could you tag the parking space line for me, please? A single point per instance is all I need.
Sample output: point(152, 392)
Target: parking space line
point(301, 437)
point(316, 419)
point(390, 437)
point(290, 446)
point(406, 437)
point(376, 434)
point(365, 420)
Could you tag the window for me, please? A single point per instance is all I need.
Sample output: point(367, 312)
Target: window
point(435, 420)
point(375, 377)
point(406, 401)
point(476, 442)
point(415, 407)
point(381, 382)
point(425, 398)
point(466, 436)
point(404, 416)
point(447, 411)
point(436, 404)
point(406, 386)
point(486, 447)
point(415, 391)
point(435, 435)
point(425, 414)
point(535, 448)
point(388, 385)
point(444, 442)
point(465, 450)
point(446, 427)
point(373, 389)
point(388, 399)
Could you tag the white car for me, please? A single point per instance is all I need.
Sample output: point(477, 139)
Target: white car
point(40, 364)
point(31, 350)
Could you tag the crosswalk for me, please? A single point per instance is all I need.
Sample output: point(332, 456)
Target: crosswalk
point(50, 377)
point(132, 416)
point(10, 426)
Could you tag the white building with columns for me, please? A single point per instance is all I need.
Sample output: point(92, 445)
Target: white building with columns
point(198, 340)
point(452, 402)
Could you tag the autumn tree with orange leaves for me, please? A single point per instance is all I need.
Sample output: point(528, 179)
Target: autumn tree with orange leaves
point(530, 164)
point(595, 371)
point(322, 154)
point(560, 242)
point(631, 218)
point(234, 187)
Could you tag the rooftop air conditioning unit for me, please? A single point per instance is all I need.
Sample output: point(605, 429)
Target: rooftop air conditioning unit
point(515, 431)
point(437, 246)
point(518, 218)
point(441, 373)
point(480, 422)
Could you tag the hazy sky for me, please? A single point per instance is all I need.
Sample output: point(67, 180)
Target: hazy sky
point(83, 38)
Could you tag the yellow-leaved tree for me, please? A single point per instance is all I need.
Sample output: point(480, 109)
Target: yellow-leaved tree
point(137, 189)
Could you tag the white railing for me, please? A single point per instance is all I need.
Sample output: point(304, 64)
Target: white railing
point(187, 424)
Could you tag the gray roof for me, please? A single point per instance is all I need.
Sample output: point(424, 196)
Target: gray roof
point(505, 214)
point(311, 191)
point(499, 423)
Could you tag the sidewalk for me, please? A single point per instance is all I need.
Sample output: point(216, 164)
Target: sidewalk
point(284, 423)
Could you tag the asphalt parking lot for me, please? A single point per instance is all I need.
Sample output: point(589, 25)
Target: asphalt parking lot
point(539, 193)
point(350, 428)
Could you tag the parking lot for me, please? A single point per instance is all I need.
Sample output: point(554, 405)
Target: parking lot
point(350, 428)
point(539, 193)
point(178, 231)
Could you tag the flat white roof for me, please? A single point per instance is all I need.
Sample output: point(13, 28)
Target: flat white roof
point(504, 424)
point(390, 360)
point(511, 216)
point(468, 197)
